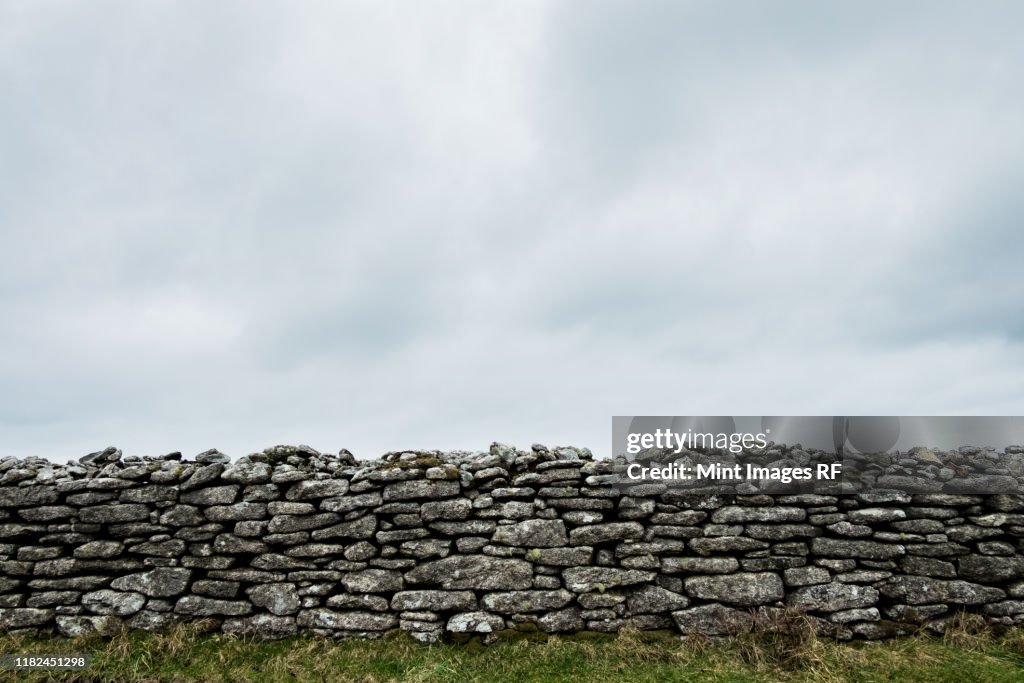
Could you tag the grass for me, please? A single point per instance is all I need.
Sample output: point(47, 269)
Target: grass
point(965, 654)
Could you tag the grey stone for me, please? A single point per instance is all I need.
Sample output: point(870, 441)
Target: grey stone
point(99, 549)
point(247, 473)
point(870, 550)
point(806, 576)
point(437, 601)
point(537, 533)
point(321, 618)
point(602, 533)
point(833, 597)
point(261, 626)
point(346, 601)
point(475, 622)
point(236, 512)
point(79, 626)
point(110, 514)
point(214, 495)
point(216, 589)
point(194, 605)
point(279, 599)
point(561, 621)
point(229, 543)
point(655, 600)
point(561, 557)
point(746, 589)
point(713, 620)
point(162, 582)
point(373, 581)
point(478, 572)
point(991, 569)
point(726, 544)
point(526, 601)
point(589, 579)
point(876, 515)
point(734, 514)
point(286, 524)
point(852, 615)
point(24, 617)
point(364, 527)
point(699, 565)
point(424, 488)
point(323, 488)
point(47, 513)
point(922, 590)
point(113, 602)
point(454, 509)
point(27, 496)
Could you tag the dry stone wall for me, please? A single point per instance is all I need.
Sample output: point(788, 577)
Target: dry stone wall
point(291, 540)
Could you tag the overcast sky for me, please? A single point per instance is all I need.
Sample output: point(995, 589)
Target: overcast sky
point(389, 225)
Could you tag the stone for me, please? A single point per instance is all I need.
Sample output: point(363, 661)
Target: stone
point(475, 622)
point(279, 599)
point(247, 473)
point(733, 514)
point(322, 488)
point(435, 601)
point(699, 565)
point(27, 496)
point(345, 601)
point(163, 582)
point(806, 576)
point(113, 602)
point(476, 572)
point(922, 590)
point(454, 509)
point(832, 597)
point(726, 544)
point(423, 488)
point(47, 513)
point(990, 568)
point(602, 533)
point(561, 621)
point(261, 626)
point(537, 533)
point(24, 617)
point(346, 621)
point(111, 514)
point(236, 512)
point(869, 550)
point(373, 581)
point(589, 579)
point(214, 495)
point(194, 605)
point(216, 589)
point(202, 476)
point(364, 527)
point(526, 601)
point(655, 600)
point(229, 544)
point(876, 515)
point(853, 615)
point(561, 557)
point(98, 550)
point(746, 589)
point(713, 620)
point(79, 626)
point(286, 524)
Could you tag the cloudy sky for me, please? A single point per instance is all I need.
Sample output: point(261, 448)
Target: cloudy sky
point(386, 225)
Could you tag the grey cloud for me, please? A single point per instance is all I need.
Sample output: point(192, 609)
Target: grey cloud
point(378, 226)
